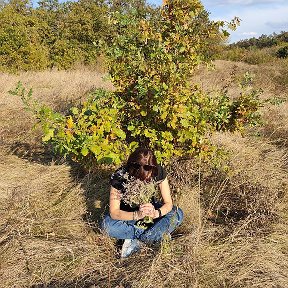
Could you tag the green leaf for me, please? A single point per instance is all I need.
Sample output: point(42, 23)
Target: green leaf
point(165, 86)
point(48, 135)
point(226, 33)
point(131, 127)
point(184, 122)
point(74, 110)
point(133, 145)
point(182, 49)
point(120, 133)
point(155, 108)
point(84, 151)
point(95, 149)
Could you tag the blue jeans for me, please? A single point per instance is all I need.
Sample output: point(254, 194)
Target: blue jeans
point(121, 229)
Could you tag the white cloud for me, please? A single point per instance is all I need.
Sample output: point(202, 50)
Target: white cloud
point(249, 33)
point(264, 20)
point(258, 16)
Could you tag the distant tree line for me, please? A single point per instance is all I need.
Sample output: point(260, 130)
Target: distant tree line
point(263, 41)
point(60, 35)
point(53, 34)
point(255, 51)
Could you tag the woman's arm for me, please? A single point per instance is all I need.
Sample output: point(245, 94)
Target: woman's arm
point(114, 208)
point(166, 195)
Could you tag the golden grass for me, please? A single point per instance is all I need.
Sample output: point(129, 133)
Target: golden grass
point(235, 227)
point(271, 77)
point(57, 89)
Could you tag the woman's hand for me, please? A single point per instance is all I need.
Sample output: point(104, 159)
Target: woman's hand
point(148, 210)
point(138, 215)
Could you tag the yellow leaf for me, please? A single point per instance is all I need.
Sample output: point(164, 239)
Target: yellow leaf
point(95, 149)
point(84, 151)
point(48, 135)
point(70, 122)
point(164, 115)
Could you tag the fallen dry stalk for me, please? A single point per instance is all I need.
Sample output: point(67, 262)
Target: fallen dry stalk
point(49, 220)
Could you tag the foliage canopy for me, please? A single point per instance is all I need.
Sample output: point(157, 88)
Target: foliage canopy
point(51, 35)
point(151, 58)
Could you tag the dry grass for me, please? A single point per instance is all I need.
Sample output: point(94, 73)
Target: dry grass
point(235, 227)
point(271, 77)
point(58, 89)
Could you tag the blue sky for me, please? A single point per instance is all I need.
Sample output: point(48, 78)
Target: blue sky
point(258, 16)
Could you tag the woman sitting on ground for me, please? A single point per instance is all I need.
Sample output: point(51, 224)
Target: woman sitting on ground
point(121, 223)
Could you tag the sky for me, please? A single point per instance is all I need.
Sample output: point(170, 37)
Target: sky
point(257, 16)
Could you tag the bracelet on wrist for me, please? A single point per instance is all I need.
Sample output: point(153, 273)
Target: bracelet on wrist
point(160, 213)
point(135, 215)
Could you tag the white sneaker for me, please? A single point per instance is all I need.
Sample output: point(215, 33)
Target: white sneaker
point(129, 247)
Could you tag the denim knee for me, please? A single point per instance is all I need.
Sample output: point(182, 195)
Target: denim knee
point(105, 224)
point(180, 215)
point(165, 225)
point(109, 226)
point(176, 213)
point(118, 228)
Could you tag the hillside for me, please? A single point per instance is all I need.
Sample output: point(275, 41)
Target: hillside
point(264, 49)
point(235, 228)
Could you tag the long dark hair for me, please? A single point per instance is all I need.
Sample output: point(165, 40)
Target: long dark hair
point(142, 164)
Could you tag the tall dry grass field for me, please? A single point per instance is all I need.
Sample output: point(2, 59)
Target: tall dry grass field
point(235, 228)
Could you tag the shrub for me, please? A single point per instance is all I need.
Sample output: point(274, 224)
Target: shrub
point(150, 62)
point(51, 35)
point(252, 56)
point(233, 54)
point(257, 56)
point(282, 52)
point(20, 46)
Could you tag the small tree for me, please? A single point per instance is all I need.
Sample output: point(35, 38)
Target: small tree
point(150, 58)
point(151, 61)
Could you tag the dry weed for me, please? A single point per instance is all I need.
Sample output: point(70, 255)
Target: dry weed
point(235, 228)
point(272, 77)
point(43, 233)
point(58, 89)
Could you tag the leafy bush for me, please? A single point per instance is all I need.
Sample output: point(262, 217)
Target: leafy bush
point(257, 56)
point(51, 35)
point(256, 50)
point(92, 131)
point(252, 56)
point(20, 46)
point(282, 52)
point(151, 62)
point(233, 54)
